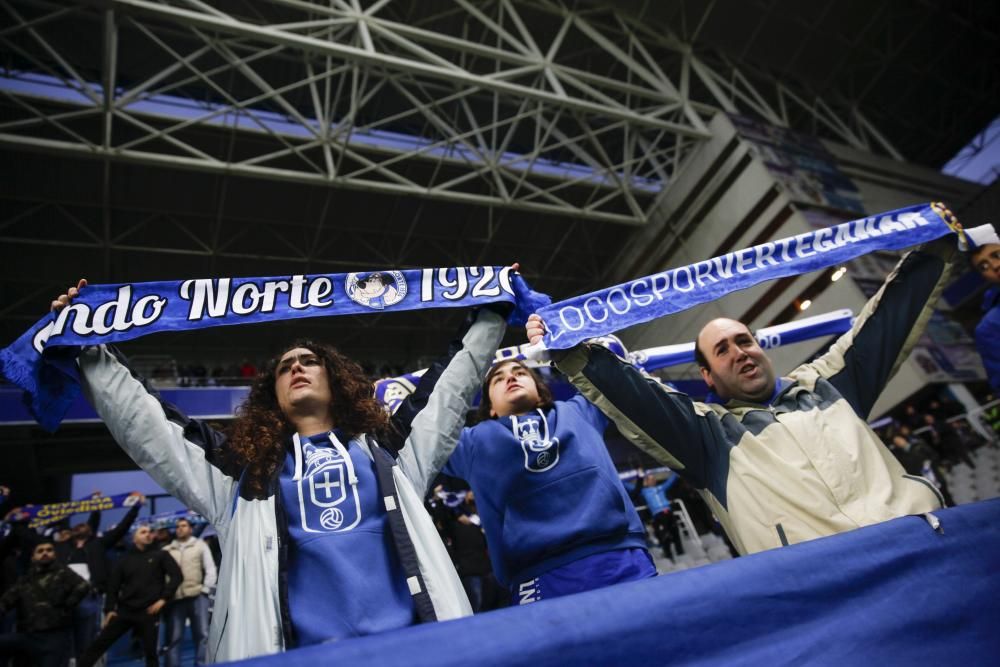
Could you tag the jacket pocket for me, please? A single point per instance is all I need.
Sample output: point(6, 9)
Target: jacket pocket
point(566, 513)
point(926, 482)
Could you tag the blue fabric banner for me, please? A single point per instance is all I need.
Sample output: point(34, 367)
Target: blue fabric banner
point(111, 313)
point(827, 324)
point(897, 593)
point(43, 515)
point(169, 520)
point(598, 313)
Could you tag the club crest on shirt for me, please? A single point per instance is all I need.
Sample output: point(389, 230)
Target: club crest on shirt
point(540, 454)
point(328, 503)
point(377, 290)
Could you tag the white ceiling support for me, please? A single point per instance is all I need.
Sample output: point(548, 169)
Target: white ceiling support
point(529, 105)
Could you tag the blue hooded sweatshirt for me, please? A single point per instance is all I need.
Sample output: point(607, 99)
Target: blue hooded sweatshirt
point(546, 489)
point(344, 576)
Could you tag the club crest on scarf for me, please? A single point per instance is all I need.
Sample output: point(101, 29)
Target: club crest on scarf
point(376, 290)
point(540, 453)
point(328, 503)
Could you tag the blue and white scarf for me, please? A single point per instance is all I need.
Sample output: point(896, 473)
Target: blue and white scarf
point(169, 520)
point(109, 313)
point(574, 320)
point(42, 360)
point(43, 515)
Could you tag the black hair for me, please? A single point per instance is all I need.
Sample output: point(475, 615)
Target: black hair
point(545, 400)
point(699, 357)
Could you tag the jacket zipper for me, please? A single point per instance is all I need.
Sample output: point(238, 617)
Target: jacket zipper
point(927, 483)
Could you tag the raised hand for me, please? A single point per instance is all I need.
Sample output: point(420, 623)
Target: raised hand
point(63, 299)
point(534, 328)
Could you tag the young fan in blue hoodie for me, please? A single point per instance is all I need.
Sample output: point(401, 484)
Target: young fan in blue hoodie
point(556, 517)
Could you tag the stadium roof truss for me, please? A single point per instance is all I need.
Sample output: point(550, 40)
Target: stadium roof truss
point(540, 106)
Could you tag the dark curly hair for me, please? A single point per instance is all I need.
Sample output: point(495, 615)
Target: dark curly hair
point(258, 435)
point(545, 400)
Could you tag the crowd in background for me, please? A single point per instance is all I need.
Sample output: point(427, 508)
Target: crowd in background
point(930, 437)
point(69, 591)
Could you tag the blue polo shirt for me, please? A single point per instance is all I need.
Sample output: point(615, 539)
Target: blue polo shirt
point(344, 575)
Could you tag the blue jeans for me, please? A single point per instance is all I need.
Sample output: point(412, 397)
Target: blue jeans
point(474, 589)
point(195, 609)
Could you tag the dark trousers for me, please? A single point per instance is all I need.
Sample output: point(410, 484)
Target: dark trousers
point(667, 532)
point(86, 622)
point(46, 649)
point(145, 626)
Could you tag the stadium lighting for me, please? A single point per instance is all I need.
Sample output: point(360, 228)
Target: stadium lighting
point(838, 274)
point(805, 304)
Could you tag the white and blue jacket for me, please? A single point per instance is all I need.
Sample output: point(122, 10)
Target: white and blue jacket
point(190, 460)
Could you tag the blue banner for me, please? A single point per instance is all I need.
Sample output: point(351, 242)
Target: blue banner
point(896, 593)
point(827, 324)
point(112, 313)
point(43, 515)
point(574, 320)
point(109, 313)
point(169, 520)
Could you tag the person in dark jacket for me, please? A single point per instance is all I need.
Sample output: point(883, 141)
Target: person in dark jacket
point(143, 580)
point(468, 545)
point(44, 599)
point(86, 553)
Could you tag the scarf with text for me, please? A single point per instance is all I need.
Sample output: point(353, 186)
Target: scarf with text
point(43, 515)
point(42, 361)
point(572, 321)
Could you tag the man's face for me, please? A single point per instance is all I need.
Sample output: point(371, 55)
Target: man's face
point(142, 537)
point(183, 530)
point(737, 367)
point(301, 382)
point(512, 390)
point(44, 553)
point(986, 260)
point(81, 531)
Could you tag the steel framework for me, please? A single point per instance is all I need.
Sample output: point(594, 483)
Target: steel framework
point(541, 106)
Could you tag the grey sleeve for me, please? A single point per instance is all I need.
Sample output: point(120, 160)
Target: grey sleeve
point(436, 429)
point(180, 454)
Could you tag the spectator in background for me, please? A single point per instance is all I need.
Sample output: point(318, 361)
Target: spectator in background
point(44, 598)
point(469, 550)
point(142, 582)
point(247, 370)
point(945, 439)
point(919, 458)
point(162, 538)
point(985, 257)
point(191, 600)
point(664, 519)
point(86, 553)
